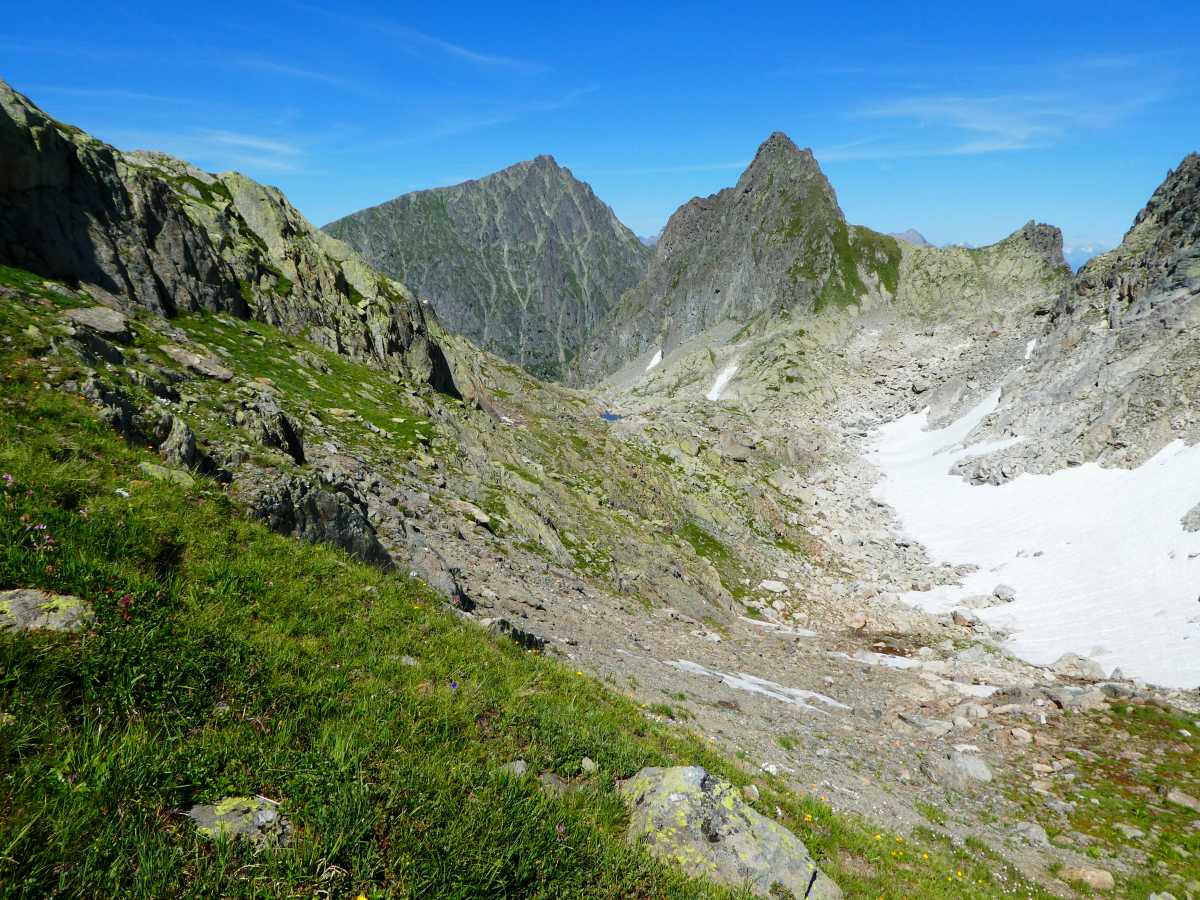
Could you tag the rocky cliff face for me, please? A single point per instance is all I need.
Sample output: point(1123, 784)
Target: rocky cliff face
point(164, 235)
point(777, 240)
point(1114, 376)
point(525, 262)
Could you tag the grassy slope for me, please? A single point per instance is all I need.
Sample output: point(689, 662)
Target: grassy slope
point(250, 663)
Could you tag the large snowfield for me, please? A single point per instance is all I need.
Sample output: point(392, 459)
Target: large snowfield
point(1098, 558)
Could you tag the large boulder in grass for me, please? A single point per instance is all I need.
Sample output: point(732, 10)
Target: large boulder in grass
point(700, 822)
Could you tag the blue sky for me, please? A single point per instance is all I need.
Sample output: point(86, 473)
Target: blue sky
point(961, 122)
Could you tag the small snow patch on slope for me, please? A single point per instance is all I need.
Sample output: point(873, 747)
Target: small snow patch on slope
point(754, 685)
point(655, 360)
point(722, 382)
point(1029, 348)
point(1114, 577)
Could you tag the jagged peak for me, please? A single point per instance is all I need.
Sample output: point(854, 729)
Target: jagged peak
point(779, 148)
point(1180, 190)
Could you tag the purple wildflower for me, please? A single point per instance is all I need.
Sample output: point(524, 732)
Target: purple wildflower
point(454, 685)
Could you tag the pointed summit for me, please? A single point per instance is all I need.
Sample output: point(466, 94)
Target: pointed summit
point(778, 149)
point(777, 240)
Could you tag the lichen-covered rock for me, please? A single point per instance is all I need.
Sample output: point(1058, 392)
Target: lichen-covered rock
point(700, 822)
point(255, 819)
point(163, 473)
point(34, 610)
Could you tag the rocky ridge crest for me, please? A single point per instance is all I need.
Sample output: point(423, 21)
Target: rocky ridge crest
point(147, 229)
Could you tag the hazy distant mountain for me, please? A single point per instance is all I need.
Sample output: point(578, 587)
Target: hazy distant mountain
point(650, 240)
point(911, 236)
point(1078, 254)
point(524, 262)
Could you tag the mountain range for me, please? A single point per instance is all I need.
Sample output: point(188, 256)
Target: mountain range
point(303, 555)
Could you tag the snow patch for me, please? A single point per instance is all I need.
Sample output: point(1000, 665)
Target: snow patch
point(755, 685)
point(722, 381)
point(655, 360)
point(791, 630)
point(1029, 348)
point(1099, 561)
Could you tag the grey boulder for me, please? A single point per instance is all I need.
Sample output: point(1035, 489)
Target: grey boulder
point(106, 322)
point(254, 819)
point(33, 610)
point(686, 816)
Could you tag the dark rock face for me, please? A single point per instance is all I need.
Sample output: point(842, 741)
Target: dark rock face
point(775, 241)
point(168, 237)
point(303, 508)
point(261, 416)
point(525, 262)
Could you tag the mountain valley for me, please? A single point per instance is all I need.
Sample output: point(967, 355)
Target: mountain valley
point(605, 507)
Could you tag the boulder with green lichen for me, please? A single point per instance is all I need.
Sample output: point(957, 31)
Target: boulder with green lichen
point(255, 819)
point(34, 610)
point(703, 824)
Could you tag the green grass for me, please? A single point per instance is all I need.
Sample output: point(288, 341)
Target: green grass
point(243, 662)
point(1110, 788)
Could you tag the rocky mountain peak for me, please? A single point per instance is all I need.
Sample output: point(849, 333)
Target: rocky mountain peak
point(1175, 206)
point(777, 240)
point(911, 236)
point(1165, 231)
point(524, 262)
point(779, 157)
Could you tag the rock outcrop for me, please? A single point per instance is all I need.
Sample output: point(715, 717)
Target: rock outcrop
point(775, 241)
point(1020, 275)
point(1113, 378)
point(302, 507)
point(164, 235)
point(525, 262)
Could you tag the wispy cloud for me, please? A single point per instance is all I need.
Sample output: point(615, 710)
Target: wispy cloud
point(76, 51)
point(419, 43)
point(286, 70)
point(100, 94)
point(1011, 107)
point(968, 125)
point(218, 149)
point(677, 170)
point(454, 126)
